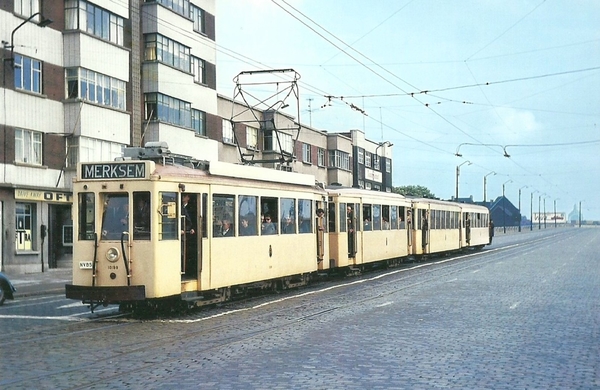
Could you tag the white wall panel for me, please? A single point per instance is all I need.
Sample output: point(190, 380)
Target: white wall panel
point(100, 123)
point(32, 112)
point(20, 175)
point(94, 54)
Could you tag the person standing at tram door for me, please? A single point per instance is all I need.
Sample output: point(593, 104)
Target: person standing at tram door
point(351, 232)
point(188, 237)
point(320, 221)
point(491, 231)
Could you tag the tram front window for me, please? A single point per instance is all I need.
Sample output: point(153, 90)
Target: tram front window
point(115, 216)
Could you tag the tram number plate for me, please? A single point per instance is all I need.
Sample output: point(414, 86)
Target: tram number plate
point(85, 265)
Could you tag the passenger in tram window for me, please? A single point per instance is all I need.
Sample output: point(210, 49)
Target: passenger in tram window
point(268, 227)
point(350, 217)
point(386, 224)
point(321, 220)
point(187, 215)
point(367, 224)
point(287, 226)
point(226, 228)
point(141, 215)
point(246, 228)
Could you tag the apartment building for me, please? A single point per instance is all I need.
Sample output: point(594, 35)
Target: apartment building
point(82, 79)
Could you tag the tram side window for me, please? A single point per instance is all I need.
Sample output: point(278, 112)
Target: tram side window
point(377, 217)
point(269, 215)
point(385, 217)
point(168, 221)
point(331, 217)
point(394, 217)
point(346, 217)
point(305, 216)
point(287, 214)
point(223, 215)
point(115, 216)
point(248, 211)
point(141, 215)
point(367, 217)
point(87, 213)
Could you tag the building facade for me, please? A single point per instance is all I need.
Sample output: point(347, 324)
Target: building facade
point(82, 79)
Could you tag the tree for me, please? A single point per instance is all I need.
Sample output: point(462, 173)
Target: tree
point(418, 191)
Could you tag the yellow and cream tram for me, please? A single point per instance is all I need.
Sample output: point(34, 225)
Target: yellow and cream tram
point(158, 228)
point(150, 228)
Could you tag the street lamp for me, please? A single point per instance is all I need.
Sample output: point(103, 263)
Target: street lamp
point(555, 212)
point(547, 196)
point(504, 204)
point(531, 210)
point(540, 211)
point(457, 174)
point(42, 23)
point(485, 186)
point(520, 207)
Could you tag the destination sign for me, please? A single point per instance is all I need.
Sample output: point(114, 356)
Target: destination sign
point(113, 171)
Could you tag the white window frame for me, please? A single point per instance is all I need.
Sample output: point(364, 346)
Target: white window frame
point(321, 157)
point(27, 8)
point(251, 137)
point(361, 156)
point(199, 70)
point(306, 153)
point(28, 147)
point(28, 69)
point(228, 137)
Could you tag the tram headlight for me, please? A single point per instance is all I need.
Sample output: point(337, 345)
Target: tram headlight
point(112, 254)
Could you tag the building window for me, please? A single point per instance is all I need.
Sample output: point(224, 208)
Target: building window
point(361, 156)
point(198, 69)
point(84, 16)
point(95, 87)
point(339, 159)
point(251, 137)
point(361, 184)
point(388, 166)
point(199, 122)
point(167, 51)
point(368, 159)
point(321, 157)
point(198, 16)
point(179, 6)
point(306, 153)
point(27, 7)
point(24, 224)
point(28, 74)
point(82, 149)
point(168, 109)
point(376, 162)
point(227, 131)
point(274, 138)
point(28, 147)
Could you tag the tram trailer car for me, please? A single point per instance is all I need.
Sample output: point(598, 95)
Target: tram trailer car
point(475, 226)
point(366, 227)
point(136, 243)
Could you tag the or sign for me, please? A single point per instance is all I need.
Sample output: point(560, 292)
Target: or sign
point(113, 171)
point(373, 175)
point(85, 265)
point(44, 196)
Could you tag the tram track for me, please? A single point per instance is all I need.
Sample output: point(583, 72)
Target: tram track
point(264, 323)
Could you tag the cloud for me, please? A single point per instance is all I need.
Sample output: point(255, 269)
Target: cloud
point(512, 125)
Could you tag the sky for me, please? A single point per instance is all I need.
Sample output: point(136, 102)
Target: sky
point(479, 78)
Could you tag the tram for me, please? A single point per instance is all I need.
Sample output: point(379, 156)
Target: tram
point(157, 229)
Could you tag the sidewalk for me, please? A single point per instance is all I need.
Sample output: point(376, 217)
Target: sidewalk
point(51, 281)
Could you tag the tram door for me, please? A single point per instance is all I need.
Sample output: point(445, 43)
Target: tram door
point(192, 231)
